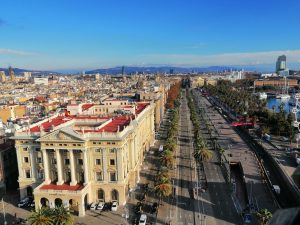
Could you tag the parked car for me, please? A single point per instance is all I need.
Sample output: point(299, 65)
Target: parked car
point(154, 207)
point(93, 206)
point(32, 204)
point(100, 205)
point(143, 219)
point(107, 206)
point(114, 206)
point(24, 202)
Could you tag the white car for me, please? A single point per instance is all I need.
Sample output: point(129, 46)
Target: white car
point(100, 205)
point(23, 202)
point(143, 219)
point(93, 206)
point(114, 206)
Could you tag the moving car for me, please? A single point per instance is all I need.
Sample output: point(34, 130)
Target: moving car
point(114, 206)
point(143, 219)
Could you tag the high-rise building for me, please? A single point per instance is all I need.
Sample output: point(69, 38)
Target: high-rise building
point(11, 74)
point(281, 63)
point(2, 76)
point(123, 70)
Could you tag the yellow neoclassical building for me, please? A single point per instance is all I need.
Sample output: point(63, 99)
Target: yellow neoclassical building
point(77, 160)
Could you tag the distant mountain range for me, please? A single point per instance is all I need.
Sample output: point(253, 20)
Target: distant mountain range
point(19, 71)
point(155, 69)
point(159, 69)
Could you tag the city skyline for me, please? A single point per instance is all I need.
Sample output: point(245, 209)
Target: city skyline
point(82, 36)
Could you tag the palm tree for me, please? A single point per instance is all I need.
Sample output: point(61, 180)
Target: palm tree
point(168, 160)
point(205, 154)
point(41, 217)
point(264, 216)
point(62, 216)
point(171, 144)
point(163, 190)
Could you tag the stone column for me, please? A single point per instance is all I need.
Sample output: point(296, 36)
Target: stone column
point(59, 168)
point(66, 204)
point(81, 207)
point(46, 166)
point(19, 159)
point(120, 168)
point(86, 168)
point(33, 163)
point(51, 204)
point(104, 164)
point(73, 172)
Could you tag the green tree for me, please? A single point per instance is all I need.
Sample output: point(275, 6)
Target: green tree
point(205, 154)
point(264, 216)
point(62, 216)
point(42, 216)
point(46, 216)
point(163, 190)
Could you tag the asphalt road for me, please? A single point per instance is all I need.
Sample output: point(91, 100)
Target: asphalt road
point(221, 209)
point(239, 151)
point(185, 205)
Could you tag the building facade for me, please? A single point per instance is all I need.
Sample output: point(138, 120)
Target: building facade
point(281, 63)
point(76, 160)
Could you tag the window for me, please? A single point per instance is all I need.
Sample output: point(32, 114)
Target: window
point(80, 161)
point(112, 150)
point(94, 143)
point(38, 149)
point(74, 144)
point(98, 161)
point(53, 160)
point(113, 143)
point(99, 176)
point(113, 176)
point(27, 173)
point(39, 159)
point(65, 144)
point(67, 161)
point(60, 144)
point(98, 150)
point(112, 162)
point(25, 149)
point(108, 143)
point(26, 160)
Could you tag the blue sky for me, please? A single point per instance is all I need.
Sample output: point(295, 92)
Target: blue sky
point(73, 34)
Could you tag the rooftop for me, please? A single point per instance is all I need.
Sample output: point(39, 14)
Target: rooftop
point(63, 187)
point(117, 123)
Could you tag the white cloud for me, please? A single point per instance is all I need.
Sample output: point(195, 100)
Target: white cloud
point(250, 58)
point(5, 51)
